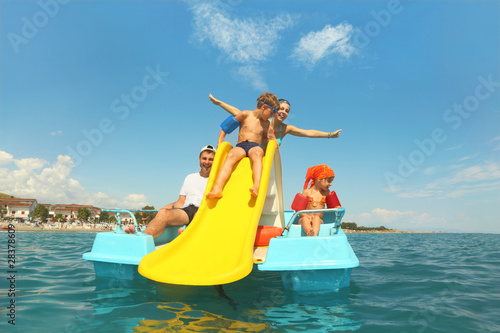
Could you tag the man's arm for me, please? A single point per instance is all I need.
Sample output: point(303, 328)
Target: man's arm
point(178, 204)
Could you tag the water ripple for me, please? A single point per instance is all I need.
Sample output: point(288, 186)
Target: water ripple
point(405, 283)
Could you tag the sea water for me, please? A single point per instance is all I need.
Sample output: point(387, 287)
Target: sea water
point(405, 283)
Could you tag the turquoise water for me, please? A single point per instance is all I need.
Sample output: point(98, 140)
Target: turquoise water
point(405, 283)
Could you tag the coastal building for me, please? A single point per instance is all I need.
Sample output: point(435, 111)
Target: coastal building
point(18, 208)
point(22, 209)
point(71, 211)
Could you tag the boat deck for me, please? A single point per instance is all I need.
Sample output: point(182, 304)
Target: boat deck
point(259, 254)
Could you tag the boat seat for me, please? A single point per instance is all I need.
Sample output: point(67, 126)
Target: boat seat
point(325, 229)
point(168, 234)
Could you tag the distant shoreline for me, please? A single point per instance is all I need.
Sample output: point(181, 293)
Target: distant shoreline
point(81, 229)
point(36, 229)
point(347, 231)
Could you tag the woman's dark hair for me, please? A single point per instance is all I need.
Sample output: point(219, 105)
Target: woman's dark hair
point(281, 100)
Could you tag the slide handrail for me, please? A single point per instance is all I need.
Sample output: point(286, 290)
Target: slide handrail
point(119, 211)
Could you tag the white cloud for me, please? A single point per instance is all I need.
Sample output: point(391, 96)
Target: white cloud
point(465, 158)
point(418, 194)
point(254, 75)
point(454, 147)
point(495, 140)
point(430, 171)
point(38, 179)
point(247, 41)
point(241, 40)
point(318, 45)
point(5, 158)
point(30, 163)
point(131, 201)
point(56, 133)
point(135, 200)
point(477, 173)
point(401, 220)
point(464, 181)
point(477, 188)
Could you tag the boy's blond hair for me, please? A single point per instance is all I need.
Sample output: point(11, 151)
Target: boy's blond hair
point(269, 99)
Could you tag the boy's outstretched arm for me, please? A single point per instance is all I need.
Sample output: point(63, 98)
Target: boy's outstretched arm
point(229, 108)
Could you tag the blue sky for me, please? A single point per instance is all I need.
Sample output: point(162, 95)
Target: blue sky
point(106, 103)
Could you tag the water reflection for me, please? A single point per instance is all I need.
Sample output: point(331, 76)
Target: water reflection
point(187, 319)
point(314, 312)
point(257, 303)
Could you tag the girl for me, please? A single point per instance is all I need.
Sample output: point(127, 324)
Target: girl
point(321, 178)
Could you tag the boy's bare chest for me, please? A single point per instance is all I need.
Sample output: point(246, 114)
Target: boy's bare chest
point(255, 125)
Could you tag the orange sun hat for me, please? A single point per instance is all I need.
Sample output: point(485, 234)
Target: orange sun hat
point(318, 172)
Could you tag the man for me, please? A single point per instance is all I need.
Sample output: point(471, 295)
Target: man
point(183, 210)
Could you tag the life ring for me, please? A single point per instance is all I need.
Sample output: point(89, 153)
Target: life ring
point(265, 233)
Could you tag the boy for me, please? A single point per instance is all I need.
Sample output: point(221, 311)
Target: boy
point(253, 124)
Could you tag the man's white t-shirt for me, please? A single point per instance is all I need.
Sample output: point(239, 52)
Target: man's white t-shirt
point(193, 188)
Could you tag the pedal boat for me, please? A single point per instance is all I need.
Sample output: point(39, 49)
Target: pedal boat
point(320, 263)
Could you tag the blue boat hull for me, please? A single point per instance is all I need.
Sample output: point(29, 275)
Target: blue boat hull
point(318, 279)
point(306, 263)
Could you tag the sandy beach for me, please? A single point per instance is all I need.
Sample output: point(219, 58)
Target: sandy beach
point(347, 231)
point(81, 229)
point(19, 227)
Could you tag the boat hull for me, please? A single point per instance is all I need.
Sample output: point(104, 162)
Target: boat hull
point(317, 279)
point(306, 263)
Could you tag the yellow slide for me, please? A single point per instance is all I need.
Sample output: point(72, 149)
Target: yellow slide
point(217, 247)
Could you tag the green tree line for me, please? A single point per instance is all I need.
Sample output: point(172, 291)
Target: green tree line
point(84, 214)
point(354, 226)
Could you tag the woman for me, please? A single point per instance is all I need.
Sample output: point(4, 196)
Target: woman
point(280, 129)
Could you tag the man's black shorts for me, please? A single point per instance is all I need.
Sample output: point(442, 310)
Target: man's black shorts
point(190, 211)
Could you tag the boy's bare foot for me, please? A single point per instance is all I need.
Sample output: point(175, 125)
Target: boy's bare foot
point(214, 195)
point(254, 192)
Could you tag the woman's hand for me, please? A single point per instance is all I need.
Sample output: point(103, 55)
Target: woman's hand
point(335, 134)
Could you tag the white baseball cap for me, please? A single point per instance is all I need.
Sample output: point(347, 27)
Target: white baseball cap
point(208, 148)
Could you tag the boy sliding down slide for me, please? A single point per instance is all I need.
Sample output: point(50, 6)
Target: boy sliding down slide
point(253, 125)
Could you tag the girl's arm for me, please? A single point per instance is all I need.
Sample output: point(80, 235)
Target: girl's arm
point(229, 108)
point(311, 133)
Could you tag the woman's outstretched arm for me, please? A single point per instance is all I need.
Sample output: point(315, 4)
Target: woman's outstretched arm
point(290, 129)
